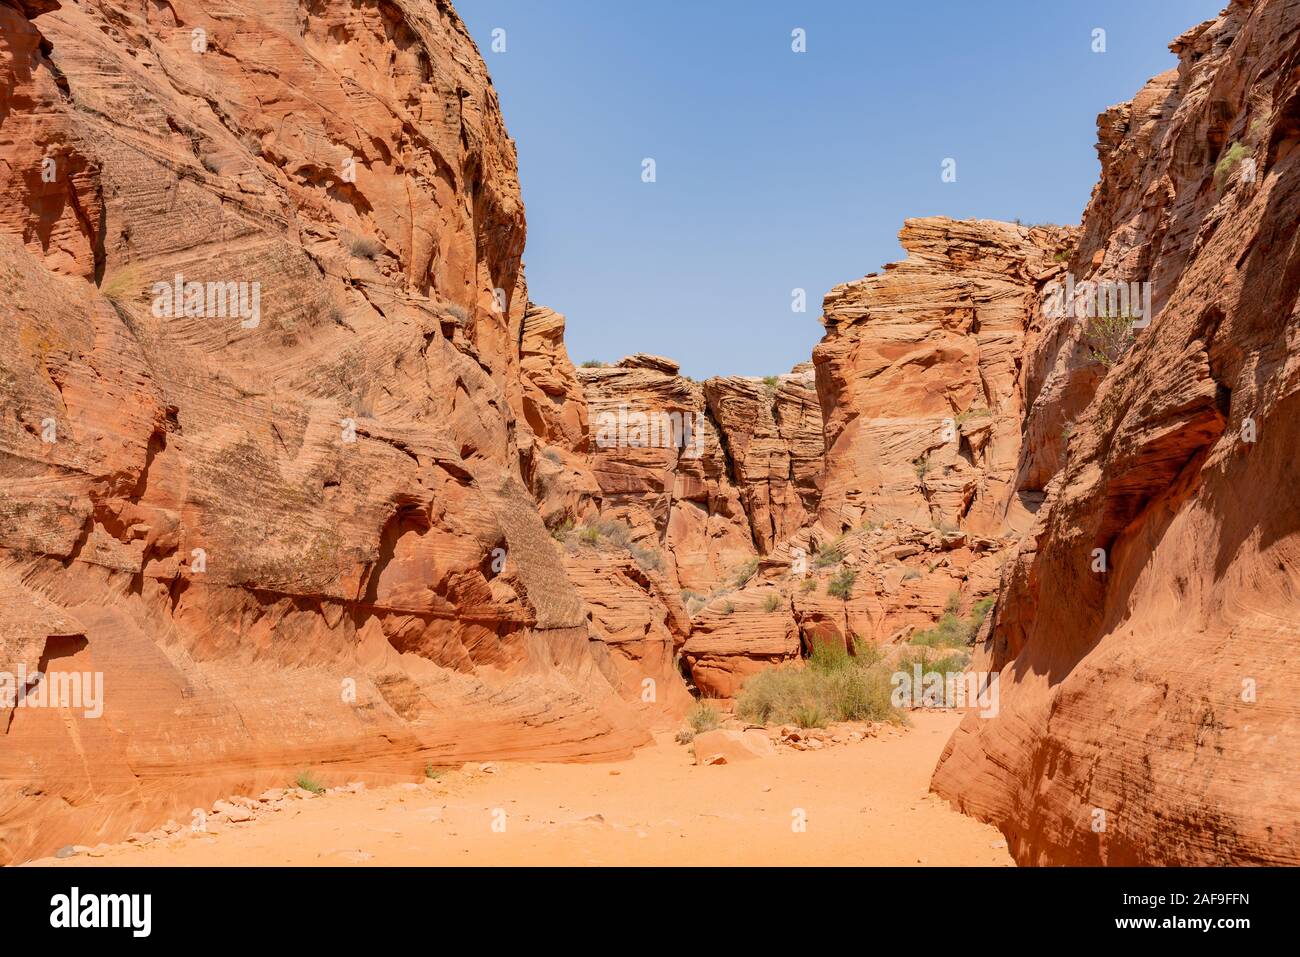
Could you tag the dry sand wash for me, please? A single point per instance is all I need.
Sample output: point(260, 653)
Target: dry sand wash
point(866, 803)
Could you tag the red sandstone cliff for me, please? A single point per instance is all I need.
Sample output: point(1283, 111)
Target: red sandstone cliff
point(1148, 712)
point(385, 525)
point(296, 538)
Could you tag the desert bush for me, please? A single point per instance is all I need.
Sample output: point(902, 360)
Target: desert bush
point(647, 558)
point(841, 584)
point(980, 413)
point(120, 285)
point(953, 631)
point(829, 554)
point(1233, 155)
point(809, 584)
point(1111, 337)
point(703, 716)
point(594, 364)
point(744, 572)
point(772, 602)
point(833, 686)
point(309, 783)
point(931, 660)
point(363, 247)
point(807, 714)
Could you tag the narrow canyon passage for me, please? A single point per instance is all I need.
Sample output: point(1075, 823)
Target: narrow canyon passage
point(865, 803)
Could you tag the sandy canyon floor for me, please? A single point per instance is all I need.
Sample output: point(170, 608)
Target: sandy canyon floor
point(865, 803)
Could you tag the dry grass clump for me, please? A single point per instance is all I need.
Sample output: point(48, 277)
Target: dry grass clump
point(833, 686)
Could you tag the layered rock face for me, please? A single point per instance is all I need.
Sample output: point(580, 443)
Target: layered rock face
point(921, 383)
point(771, 430)
point(710, 478)
point(283, 513)
point(919, 376)
point(1146, 629)
point(662, 468)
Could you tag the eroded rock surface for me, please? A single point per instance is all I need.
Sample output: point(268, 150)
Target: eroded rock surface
point(297, 535)
point(1147, 711)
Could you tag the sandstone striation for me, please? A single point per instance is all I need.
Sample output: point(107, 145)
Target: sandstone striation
point(295, 534)
point(920, 377)
point(290, 461)
point(1147, 712)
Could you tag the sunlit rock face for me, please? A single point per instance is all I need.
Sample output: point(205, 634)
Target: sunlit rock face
point(289, 526)
point(1146, 629)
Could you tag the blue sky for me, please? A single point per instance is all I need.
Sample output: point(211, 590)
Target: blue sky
point(777, 170)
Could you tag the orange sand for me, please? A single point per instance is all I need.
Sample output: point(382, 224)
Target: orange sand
point(865, 804)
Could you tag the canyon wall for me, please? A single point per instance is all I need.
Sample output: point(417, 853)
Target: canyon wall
point(381, 522)
point(921, 393)
point(296, 536)
point(1146, 627)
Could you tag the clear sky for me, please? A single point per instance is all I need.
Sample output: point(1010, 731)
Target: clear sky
point(778, 170)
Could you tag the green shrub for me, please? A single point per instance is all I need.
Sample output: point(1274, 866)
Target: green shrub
point(309, 783)
point(922, 466)
point(729, 608)
point(809, 584)
point(841, 584)
point(980, 413)
point(833, 686)
point(772, 602)
point(772, 382)
point(703, 716)
point(1111, 337)
point(808, 715)
point(594, 364)
point(930, 660)
point(829, 554)
point(1233, 155)
point(744, 572)
point(952, 631)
